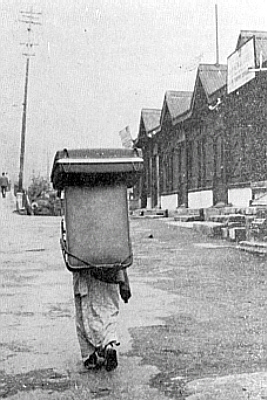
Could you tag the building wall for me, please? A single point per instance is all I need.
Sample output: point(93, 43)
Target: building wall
point(186, 154)
point(226, 146)
point(240, 197)
point(144, 179)
point(246, 116)
point(200, 199)
point(222, 148)
point(169, 202)
point(149, 202)
point(205, 148)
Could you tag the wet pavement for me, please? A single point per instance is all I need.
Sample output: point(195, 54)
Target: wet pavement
point(40, 355)
point(172, 302)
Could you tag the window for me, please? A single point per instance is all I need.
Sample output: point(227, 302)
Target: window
point(190, 164)
point(170, 171)
point(198, 162)
point(203, 162)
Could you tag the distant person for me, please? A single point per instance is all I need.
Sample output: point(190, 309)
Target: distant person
point(3, 184)
point(9, 183)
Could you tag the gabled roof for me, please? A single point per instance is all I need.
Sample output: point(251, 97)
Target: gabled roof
point(151, 119)
point(149, 124)
point(260, 43)
point(180, 104)
point(213, 77)
point(244, 36)
point(177, 103)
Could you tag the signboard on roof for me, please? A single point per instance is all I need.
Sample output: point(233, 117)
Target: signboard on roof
point(239, 64)
point(126, 138)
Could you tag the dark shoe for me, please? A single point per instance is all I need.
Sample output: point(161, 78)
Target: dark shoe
point(100, 359)
point(111, 358)
point(91, 362)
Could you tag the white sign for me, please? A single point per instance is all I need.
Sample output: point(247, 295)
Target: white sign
point(126, 138)
point(239, 64)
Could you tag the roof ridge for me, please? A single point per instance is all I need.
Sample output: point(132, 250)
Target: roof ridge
point(253, 32)
point(214, 65)
point(179, 93)
point(151, 109)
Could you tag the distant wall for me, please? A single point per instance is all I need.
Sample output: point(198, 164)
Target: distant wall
point(240, 197)
point(201, 199)
point(169, 201)
point(149, 202)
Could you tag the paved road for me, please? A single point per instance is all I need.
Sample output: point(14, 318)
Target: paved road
point(39, 348)
point(40, 356)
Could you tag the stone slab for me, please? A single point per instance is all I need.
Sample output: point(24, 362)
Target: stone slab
point(208, 228)
point(237, 234)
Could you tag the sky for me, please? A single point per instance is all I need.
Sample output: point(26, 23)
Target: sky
point(98, 63)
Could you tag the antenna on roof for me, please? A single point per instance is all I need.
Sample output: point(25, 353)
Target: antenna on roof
point(217, 36)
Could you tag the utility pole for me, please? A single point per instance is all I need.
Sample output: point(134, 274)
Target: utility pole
point(30, 18)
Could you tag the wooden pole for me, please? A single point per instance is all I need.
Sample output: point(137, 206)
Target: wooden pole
point(30, 18)
point(217, 36)
point(23, 129)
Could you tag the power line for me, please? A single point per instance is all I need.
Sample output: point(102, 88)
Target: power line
point(30, 18)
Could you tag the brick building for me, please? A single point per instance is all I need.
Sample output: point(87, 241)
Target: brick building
point(210, 145)
point(149, 128)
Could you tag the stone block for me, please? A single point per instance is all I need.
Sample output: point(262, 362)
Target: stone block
point(209, 212)
point(186, 218)
point(231, 225)
point(208, 228)
point(237, 218)
point(224, 232)
point(237, 234)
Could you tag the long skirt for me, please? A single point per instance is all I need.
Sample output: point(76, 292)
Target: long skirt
point(97, 310)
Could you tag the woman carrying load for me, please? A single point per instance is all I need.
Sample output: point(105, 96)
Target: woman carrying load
point(95, 241)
